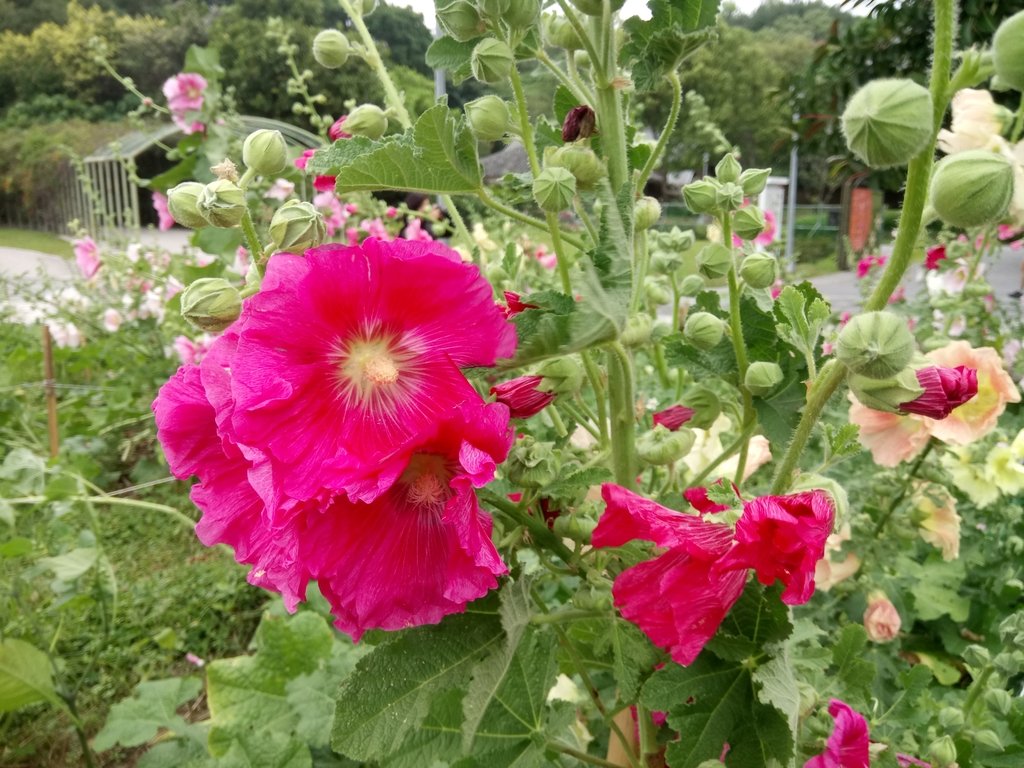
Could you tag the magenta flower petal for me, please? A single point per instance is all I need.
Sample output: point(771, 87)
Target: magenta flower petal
point(164, 219)
point(628, 516)
point(673, 417)
point(933, 256)
point(522, 396)
point(944, 390)
point(848, 746)
point(185, 424)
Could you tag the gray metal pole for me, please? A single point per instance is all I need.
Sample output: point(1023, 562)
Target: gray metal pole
point(791, 203)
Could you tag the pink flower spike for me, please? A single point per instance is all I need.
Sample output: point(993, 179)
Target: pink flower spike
point(933, 256)
point(336, 131)
point(164, 219)
point(944, 390)
point(848, 746)
point(522, 396)
point(673, 417)
point(87, 257)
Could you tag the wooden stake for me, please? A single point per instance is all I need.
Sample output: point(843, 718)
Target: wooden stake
point(49, 384)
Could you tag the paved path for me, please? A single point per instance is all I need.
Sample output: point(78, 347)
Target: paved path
point(20, 262)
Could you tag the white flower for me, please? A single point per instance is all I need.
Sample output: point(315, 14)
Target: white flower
point(977, 119)
point(112, 319)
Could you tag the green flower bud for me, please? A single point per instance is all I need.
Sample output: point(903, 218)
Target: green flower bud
point(491, 61)
point(809, 481)
point(972, 188)
point(367, 120)
point(691, 285)
point(522, 14)
point(183, 203)
point(729, 197)
point(887, 122)
point(753, 180)
point(579, 528)
point(762, 377)
point(976, 656)
point(532, 464)
point(714, 260)
point(989, 739)
point(560, 33)
point(942, 752)
point(706, 405)
point(554, 189)
point(661, 446)
point(875, 344)
point(581, 162)
point(488, 117)
point(886, 394)
point(330, 48)
point(265, 152)
point(1008, 51)
point(646, 213)
point(749, 222)
point(595, 7)
point(951, 718)
point(999, 701)
point(563, 376)
point(759, 270)
point(496, 274)
point(703, 330)
point(367, 6)
point(460, 19)
point(657, 291)
point(222, 203)
point(492, 8)
point(211, 304)
point(701, 196)
point(728, 169)
point(637, 331)
point(296, 226)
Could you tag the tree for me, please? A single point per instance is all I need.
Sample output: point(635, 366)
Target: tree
point(402, 33)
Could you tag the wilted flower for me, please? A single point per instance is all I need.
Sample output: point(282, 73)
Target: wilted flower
point(579, 123)
point(523, 396)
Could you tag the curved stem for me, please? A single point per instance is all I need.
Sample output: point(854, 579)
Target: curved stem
point(372, 57)
point(588, 45)
point(460, 224)
point(620, 398)
point(523, 218)
point(562, 78)
point(739, 348)
point(666, 132)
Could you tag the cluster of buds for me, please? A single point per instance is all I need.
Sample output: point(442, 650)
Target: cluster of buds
point(725, 193)
point(466, 20)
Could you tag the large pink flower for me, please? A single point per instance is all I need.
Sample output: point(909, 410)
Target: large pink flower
point(87, 256)
point(848, 746)
point(164, 219)
point(347, 356)
point(184, 94)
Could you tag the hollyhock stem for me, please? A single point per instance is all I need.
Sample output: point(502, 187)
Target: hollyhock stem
point(739, 347)
point(883, 521)
point(583, 757)
point(666, 131)
point(588, 45)
point(537, 528)
point(523, 218)
point(976, 689)
point(556, 70)
point(620, 398)
point(918, 175)
point(597, 384)
point(648, 735)
point(732, 448)
point(253, 241)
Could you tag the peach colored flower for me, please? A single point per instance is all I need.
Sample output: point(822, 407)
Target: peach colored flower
point(828, 572)
point(881, 619)
point(891, 438)
point(977, 417)
point(940, 523)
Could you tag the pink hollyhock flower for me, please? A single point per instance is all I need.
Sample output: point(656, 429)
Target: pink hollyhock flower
point(336, 131)
point(391, 212)
point(341, 363)
point(523, 396)
point(891, 438)
point(351, 209)
point(330, 207)
point(164, 219)
point(414, 231)
point(547, 260)
point(112, 320)
point(933, 256)
point(977, 417)
point(679, 598)
point(944, 390)
point(515, 304)
point(87, 256)
point(698, 498)
point(673, 417)
point(776, 289)
point(783, 537)
point(302, 160)
point(191, 658)
point(881, 619)
point(865, 265)
point(281, 189)
point(184, 92)
point(325, 183)
point(900, 294)
point(848, 746)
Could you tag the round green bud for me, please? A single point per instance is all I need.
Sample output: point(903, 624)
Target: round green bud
point(367, 120)
point(706, 405)
point(496, 274)
point(521, 14)
point(581, 162)
point(657, 291)
point(595, 7)
point(729, 196)
point(330, 48)
point(886, 394)
point(759, 270)
point(714, 260)
point(297, 226)
point(942, 752)
point(748, 222)
point(211, 304)
point(554, 189)
point(562, 375)
point(560, 33)
point(491, 61)
point(661, 446)
point(265, 152)
point(887, 122)
point(989, 739)
point(646, 213)
point(1008, 51)
point(972, 188)
point(999, 701)
point(753, 180)
point(492, 8)
point(532, 464)
point(183, 203)
point(703, 330)
point(691, 285)
point(222, 203)
point(368, 6)
point(637, 331)
point(875, 344)
point(701, 196)
point(579, 528)
point(762, 377)
point(488, 117)
point(460, 19)
point(951, 718)
point(728, 169)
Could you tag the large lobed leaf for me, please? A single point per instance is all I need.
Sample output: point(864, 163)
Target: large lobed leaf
point(656, 47)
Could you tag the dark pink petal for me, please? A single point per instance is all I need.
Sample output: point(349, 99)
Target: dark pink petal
point(325, 183)
point(673, 417)
point(515, 304)
point(185, 424)
point(522, 396)
point(337, 130)
point(933, 256)
point(698, 498)
point(303, 160)
point(944, 390)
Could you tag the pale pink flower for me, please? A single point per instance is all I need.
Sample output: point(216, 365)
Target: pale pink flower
point(184, 92)
point(351, 209)
point(330, 207)
point(87, 256)
point(375, 228)
point(891, 438)
point(415, 231)
point(977, 119)
point(281, 189)
point(242, 260)
point(828, 572)
point(939, 524)
point(881, 619)
point(191, 658)
point(112, 320)
point(164, 219)
point(547, 260)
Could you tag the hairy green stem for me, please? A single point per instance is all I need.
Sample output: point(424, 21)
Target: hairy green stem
point(537, 528)
point(253, 241)
point(523, 218)
point(583, 757)
point(739, 348)
point(666, 131)
point(596, 62)
point(620, 399)
point(597, 384)
point(976, 689)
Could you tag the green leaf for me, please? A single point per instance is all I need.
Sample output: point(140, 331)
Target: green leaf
point(180, 753)
point(842, 440)
point(801, 312)
point(936, 591)
point(716, 363)
point(384, 701)
point(780, 413)
point(577, 483)
point(25, 675)
point(7, 512)
point(265, 749)
point(854, 673)
point(759, 616)
point(633, 657)
point(218, 241)
point(776, 685)
point(437, 155)
point(19, 546)
point(438, 738)
point(656, 47)
point(204, 61)
point(25, 470)
point(152, 707)
point(564, 102)
point(449, 54)
point(71, 565)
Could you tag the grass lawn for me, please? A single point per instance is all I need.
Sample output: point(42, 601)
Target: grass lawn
point(43, 242)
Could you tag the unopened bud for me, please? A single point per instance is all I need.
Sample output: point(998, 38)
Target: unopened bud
point(657, 291)
point(595, 7)
point(460, 19)
point(563, 375)
point(704, 402)
point(211, 304)
point(999, 701)
point(753, 180)
point(554, 189)
point(491, 61)
point(887, 122)
point(942, 752)
point(367, 6)
point(691, 285)
point(951, 718)
point(265, 152)
point(728, 169)
point(367, 120)
point(560, 33)
point(1008, 51)
point(183, 204)
point(297, 226)
point(972, 188)
point(762, 377)
point(701, 196)
point(581, 162)
point(646, 213)
point(330, 48)
point(748, 222)
point(989, 739)
point(532, 464)
point(488, 117)
point(876, 344)
point(661, 446)
point(703, 330)
point(579, 528)
point(492, 8)
point(222, 203)
point(886, 394)
point(521, 14)
point(729, 197)
point(637, 331)
point(759, 270)
point(714, 260)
